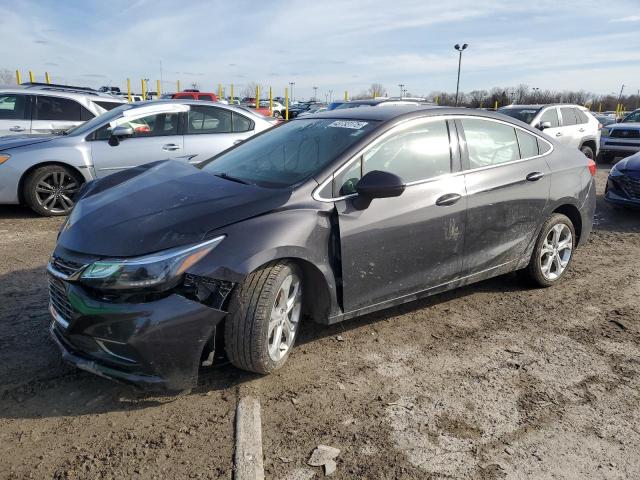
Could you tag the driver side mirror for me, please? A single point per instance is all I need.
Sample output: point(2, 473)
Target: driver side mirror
point(120, 132)
point(541, 126)
point(378, 184)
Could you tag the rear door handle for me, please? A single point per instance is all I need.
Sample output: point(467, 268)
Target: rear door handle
point(16, 129)
point(448, 199)
point(535, 176)
point(170, 147)
point(559, 134)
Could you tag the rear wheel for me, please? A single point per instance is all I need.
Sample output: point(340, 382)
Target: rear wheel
point(553, 252)
point(276, 114)
point(264, 316)
point(50, 190)
point(588, 152)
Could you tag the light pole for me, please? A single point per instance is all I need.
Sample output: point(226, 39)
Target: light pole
point(291, 84)
point(460, 49)
point(401, 85)
point(315, 94)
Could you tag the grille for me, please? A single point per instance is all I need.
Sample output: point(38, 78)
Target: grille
point(65, 266)
point(59, 299)
point(624, 133)
point(631, 186)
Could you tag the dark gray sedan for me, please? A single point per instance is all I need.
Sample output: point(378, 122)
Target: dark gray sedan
point(333, 216)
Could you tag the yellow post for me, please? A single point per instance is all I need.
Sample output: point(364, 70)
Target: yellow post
point(346, 96)
point(31, 77)
point(144, 93)
point(219, 91)
point(129, 90)
point(286, 103)
point(270, 102)
point(46, 77)
point(232, 93)
point(495, 105)
point(18, 79)
point(158, 86)
point(177, 85)
point(257, 97)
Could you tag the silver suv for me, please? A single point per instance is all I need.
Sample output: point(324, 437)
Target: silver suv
point(571, 125)
point(45, 172)
point(43, 108)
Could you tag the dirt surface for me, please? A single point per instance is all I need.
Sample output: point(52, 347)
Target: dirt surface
point(492, 381)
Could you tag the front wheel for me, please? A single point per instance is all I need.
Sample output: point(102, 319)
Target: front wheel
point(588, 152)
point(553, 252)
point(276, 114)
point(264, 316)
point(50, 190)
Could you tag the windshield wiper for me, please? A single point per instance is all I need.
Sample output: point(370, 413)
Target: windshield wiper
point(231, 178)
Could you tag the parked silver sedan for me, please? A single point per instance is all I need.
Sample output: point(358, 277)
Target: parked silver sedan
point(45, 172)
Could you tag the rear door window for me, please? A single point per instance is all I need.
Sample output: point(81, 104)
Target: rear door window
point(489, 143)
point(58, 108)
point(568, 116)
point(202, 119)
point(528, 144)
point(581, 116)
point(241, 123)
point(550, 115)
point(13, 107)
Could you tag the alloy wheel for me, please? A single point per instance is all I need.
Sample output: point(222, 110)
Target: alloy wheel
point(55, 191)
point(284, 319)
point(556, 251)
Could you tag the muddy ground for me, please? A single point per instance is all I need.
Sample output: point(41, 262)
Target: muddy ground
point(493, 381)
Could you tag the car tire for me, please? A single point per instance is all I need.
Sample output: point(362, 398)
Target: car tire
point(276, 114)
point(588, 152)
point(552, 255)
point(50, 190)
point(264, 316)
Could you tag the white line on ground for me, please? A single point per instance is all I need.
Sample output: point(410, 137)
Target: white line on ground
point(248, 464)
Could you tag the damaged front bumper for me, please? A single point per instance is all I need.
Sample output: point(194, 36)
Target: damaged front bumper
point(156, 343)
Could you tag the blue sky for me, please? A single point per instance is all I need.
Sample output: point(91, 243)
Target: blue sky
point(332, 44)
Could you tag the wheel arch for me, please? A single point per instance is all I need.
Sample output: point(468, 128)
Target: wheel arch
point(573, 213)
point(591, 143)
point(27, 173)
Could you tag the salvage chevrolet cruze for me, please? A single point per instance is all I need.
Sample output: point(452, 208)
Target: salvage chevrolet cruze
point(323, 218)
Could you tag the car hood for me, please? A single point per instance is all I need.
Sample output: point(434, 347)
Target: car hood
point(16, 141)
point(159, 206)
point(629, 164)
point(625, 126)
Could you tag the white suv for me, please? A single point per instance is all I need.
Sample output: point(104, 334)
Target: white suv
point(45, 109)
point(571, 125)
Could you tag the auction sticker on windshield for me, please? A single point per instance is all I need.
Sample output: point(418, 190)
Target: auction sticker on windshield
point(348, 124)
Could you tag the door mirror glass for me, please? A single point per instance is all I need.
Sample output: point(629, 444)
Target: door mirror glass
point(378, 184)
point(543, 125)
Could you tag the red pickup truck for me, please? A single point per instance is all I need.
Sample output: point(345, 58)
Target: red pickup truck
point(211, 97)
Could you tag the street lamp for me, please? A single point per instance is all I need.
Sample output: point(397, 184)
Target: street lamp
point(315, 94)
point(401, 85)
point(291, 84)
point(460, 49)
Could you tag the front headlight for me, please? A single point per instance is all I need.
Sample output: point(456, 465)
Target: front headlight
point(605, 131)
point(156, 272)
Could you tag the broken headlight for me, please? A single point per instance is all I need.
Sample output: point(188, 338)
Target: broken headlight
point(157, 271)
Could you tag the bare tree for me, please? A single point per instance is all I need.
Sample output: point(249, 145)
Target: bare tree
point(7, 77)
point(249, 89)
point(377, 90)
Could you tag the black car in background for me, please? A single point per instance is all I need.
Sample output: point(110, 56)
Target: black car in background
point(331, 216)
point(623, 184)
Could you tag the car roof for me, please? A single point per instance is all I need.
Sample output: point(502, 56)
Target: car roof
point(61, 92)
point(543, 105)
point(191, 101)
point(379, 114)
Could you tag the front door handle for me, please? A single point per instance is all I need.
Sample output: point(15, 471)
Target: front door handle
point(170, 147)
point(17, 128)
point(581, 130)
point(559, 134)
point(535, 176)
point(448, 199)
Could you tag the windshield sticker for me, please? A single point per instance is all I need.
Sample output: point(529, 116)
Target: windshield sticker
point(528, 111)
point(352, 124)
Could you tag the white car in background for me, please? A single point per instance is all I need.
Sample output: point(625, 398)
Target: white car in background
point(571, 125)
point(45, 108)
point(45, 172)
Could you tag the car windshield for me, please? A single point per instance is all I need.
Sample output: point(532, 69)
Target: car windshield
point(290, 153)
point(632, 117)
point(525, 115)
point(89, 126)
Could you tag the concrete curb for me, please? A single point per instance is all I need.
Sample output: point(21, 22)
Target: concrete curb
point(248, 464)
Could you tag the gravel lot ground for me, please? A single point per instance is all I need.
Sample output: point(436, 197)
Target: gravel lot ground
point(492, 381)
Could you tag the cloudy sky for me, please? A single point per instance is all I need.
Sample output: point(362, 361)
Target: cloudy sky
point(332, 44)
